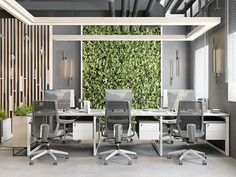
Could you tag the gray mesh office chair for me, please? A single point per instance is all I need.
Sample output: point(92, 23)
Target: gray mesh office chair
point(45, 126)
point(117, 128)
point(190, 126)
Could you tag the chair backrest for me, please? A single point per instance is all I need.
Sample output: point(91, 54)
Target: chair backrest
point(190, 112)
point(44, 112)
point(117, 112)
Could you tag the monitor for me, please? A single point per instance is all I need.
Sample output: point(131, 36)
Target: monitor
point(64, 97)
point(174, 96)
point(119, 95)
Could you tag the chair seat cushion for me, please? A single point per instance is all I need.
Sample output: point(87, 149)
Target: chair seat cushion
point(198, 134)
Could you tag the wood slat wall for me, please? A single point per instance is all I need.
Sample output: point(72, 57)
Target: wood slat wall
point(25, 64)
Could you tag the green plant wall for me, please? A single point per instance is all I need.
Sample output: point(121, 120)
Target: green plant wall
point(132, 65)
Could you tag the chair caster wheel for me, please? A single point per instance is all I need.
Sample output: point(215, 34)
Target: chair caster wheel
point(104, 140)
point(99, 156)
point(168, 157)
point(66, 157)
point(63, 142)
point(105, 162)
point(30, 156)
point(135, 157)
point(54, 163)
point(180, 162)
point(205, 156)
point(204, 162)
point(129, 162)
point(31, 163)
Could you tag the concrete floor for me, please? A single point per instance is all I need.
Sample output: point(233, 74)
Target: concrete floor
point(148, 164)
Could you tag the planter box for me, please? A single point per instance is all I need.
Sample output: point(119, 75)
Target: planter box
point(6, 130)
point(19, 131)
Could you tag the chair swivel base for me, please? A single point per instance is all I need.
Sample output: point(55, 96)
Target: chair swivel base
point(183, 153)
point(36, 153)
point(121, 152)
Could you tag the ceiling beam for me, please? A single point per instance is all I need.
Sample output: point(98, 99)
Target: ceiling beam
point(150, 21)
point(17, 11)
point(119, 37)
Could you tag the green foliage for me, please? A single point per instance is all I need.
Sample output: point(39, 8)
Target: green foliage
point(106, 30)
point(3, 115)
point(131, 65)
point(23, 110)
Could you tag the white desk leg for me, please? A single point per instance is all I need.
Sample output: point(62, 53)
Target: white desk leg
point(161, 136)
point(28, 141)
point(94, 135)
point(159, 146)
point(96, 139)
point(227, 136)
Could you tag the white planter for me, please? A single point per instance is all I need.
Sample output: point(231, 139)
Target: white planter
point(6, 126)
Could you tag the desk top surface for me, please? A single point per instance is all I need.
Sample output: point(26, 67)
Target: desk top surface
point(134, 112)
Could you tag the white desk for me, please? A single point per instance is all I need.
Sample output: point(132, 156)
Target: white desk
point(160, 114)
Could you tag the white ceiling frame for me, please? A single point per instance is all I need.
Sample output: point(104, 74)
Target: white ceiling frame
point(119, 38)
point(203, 24)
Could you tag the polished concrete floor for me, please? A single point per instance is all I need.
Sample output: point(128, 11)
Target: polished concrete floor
point(82, 164)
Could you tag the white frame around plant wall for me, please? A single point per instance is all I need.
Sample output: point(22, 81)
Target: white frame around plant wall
point(203, 24)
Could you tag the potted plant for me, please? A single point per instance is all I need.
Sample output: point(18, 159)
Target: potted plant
point(22, 111)
point(5, 126)
point(20, 125)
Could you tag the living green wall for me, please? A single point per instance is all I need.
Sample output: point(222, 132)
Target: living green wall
point(134, 65)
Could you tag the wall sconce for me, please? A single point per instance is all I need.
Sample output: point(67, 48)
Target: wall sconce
point(67, 68)
point(216, 61)
point(42, 51)
point(177, 63)
point(171, 72)
point(13, 56)
point(26, 37)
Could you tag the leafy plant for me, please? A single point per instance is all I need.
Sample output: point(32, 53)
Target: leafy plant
point(3, 115)
point(134, 65)
point(23, 110)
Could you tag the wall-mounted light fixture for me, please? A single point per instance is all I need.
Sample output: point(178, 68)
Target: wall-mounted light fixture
point(1, 36)
point(67, 68)
point(42, 51)
point(26, 37)
point(171, 72)
point(177, 63)
point(13, 56)
point(216, 61)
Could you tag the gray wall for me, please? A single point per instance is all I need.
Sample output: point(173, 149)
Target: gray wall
point(71, 50)
point(218, 87)
point(169, 53)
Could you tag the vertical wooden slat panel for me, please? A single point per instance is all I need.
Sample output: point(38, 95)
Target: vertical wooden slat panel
point(5, 65)
point(15, 65)
point(33, 60)
point(2, 64)
point(21, 37)
point(50, 53)
point(42, 62)
point(46, 58)
point(24, 66)
point(29, 67)
point(8, 74)
point(36, 63)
